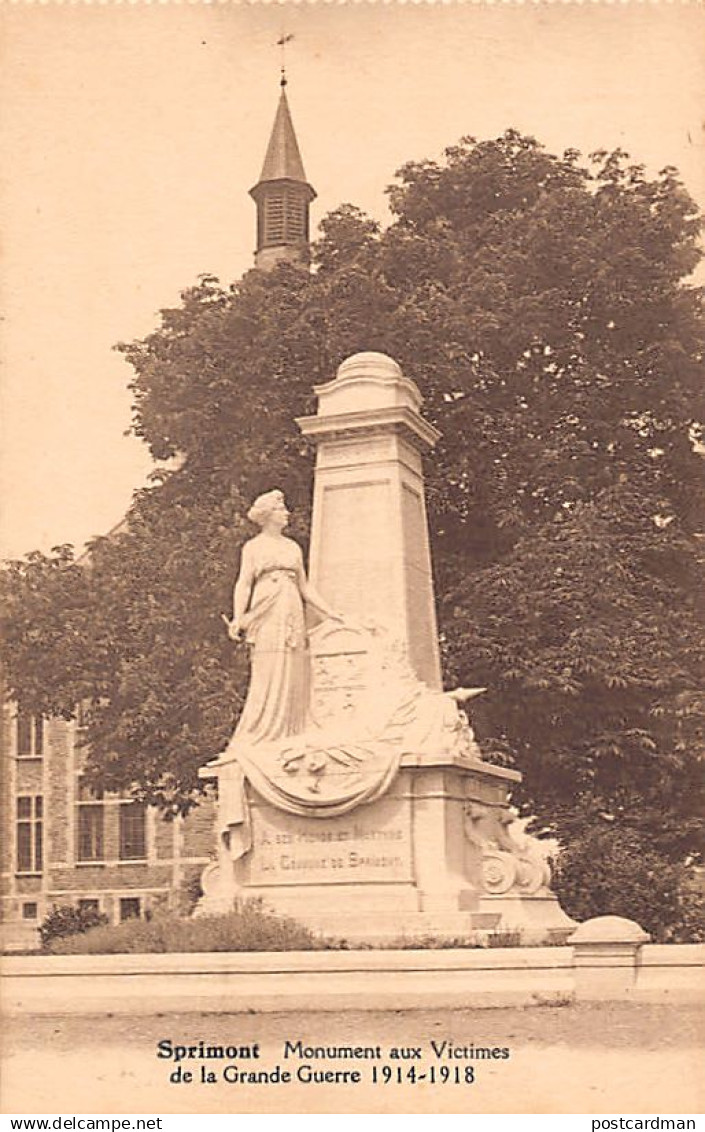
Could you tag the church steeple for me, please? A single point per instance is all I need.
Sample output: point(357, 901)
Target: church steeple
point(283, 196)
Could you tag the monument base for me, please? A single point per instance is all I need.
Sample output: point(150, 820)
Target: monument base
point(438, 855)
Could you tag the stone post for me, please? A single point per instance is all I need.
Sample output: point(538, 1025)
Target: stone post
point(370, 554)
point(606, 957)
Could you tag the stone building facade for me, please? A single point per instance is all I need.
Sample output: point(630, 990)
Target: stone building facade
point(63, 845)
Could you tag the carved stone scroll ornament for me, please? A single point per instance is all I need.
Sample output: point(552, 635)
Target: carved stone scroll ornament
point(513, 862)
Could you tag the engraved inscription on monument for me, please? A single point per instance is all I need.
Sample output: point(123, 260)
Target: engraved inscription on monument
point(365, 845)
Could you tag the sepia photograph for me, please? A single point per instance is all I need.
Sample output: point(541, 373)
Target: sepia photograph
point(352, 640)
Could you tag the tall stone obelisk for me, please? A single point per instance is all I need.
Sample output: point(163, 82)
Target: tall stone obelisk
point(370, 555)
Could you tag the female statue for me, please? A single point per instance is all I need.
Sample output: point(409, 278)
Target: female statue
point(268, 608)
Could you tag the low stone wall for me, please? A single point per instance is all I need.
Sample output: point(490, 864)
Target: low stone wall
point(18, 936)
point(350, 980)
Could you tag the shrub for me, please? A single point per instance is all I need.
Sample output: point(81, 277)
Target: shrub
point(64, 922)
point(426, 942)
point(511, 938)
point(617, 872)
point(248, 928)
point(190, 893)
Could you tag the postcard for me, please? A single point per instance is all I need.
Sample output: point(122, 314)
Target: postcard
point(350, 739)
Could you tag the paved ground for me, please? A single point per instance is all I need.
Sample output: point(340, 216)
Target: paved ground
point(615, 1058)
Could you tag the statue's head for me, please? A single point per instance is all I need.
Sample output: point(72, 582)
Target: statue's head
point(269, 509)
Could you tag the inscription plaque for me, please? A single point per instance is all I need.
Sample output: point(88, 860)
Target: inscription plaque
point(370, 844)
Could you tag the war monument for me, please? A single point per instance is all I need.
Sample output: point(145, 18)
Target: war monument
point(353, 794)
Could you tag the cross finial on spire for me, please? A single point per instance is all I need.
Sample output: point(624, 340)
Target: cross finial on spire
point(282, 42)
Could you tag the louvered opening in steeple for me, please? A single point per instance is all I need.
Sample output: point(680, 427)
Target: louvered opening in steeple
point(282, 216)
point(283, 196)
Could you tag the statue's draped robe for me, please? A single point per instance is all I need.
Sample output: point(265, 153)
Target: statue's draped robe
point(278, 696)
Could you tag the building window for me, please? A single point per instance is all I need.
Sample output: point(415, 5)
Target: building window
point(30, 911)
point(130, 908)
point(30, 735)
point(133, 840)
point(90, 825)
point(89, 905)
point(90, 833)
point(29, 833)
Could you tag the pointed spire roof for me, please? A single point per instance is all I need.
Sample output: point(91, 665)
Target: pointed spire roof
point(283, 159)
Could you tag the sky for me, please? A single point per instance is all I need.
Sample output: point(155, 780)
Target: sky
point(131, 135)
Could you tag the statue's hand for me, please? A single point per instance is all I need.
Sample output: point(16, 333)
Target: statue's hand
point(234, 627)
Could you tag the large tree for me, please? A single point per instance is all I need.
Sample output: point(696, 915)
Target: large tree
point(541, 303)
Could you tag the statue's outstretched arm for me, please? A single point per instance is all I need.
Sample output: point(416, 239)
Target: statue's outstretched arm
point(312, 597)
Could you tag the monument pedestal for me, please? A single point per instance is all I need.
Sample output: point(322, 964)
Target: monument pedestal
point(434, 856)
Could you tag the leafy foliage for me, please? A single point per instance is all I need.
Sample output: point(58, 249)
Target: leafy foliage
point(249, 928)
point(65, 922)
point(608, 869)
point(541, 304)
